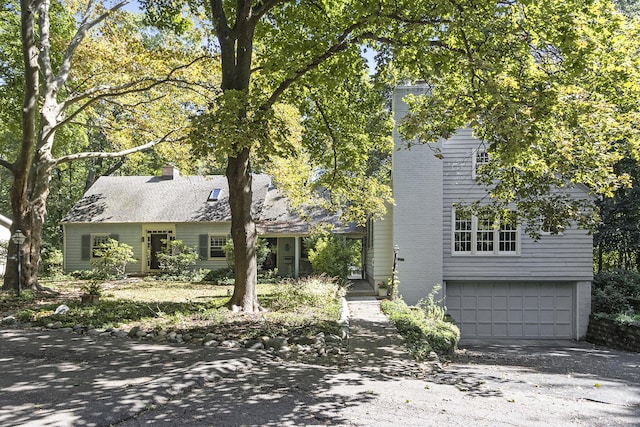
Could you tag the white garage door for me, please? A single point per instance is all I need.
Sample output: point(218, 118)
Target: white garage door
point(511, 310)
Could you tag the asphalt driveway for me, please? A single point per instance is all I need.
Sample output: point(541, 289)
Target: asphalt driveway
point(56, 378)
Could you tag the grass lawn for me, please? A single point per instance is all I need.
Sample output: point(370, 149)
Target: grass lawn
point(303, 307)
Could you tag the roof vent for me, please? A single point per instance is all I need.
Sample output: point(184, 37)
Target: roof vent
point(169, 171)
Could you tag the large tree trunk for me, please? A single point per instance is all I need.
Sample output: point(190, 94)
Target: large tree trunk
point(243, 233)
point(236, 46)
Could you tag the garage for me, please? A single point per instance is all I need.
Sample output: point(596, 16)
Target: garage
point(532, 310)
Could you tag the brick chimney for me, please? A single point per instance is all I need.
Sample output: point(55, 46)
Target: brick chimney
point(169, 171)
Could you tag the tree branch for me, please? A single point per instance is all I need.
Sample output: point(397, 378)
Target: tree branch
point(6, 164)
point(341, 44)
point(85, 25)
point(122, 153)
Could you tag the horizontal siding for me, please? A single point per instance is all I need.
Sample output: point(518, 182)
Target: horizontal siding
point(379, 260)
point(561, 257)
point(127, 233)
point(190, 233)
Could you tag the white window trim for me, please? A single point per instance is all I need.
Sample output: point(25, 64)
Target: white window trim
point(93, 243)
point(474, 240)
point(474, 160)
point(216, 235)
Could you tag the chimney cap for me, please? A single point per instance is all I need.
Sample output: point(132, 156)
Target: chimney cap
point(169, 171)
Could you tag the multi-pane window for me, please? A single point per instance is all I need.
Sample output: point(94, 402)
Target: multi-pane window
point(97, 242)
point(485, 234)
point(462, 232)
point(216, 245)
point(482, 235)
point(480, 158)
point(508, 236)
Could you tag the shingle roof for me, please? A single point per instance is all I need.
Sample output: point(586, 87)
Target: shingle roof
point(146, 199)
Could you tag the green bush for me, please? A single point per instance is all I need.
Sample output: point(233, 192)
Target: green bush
point(422, 334)
point(221, 276)
point(112, 261)
point(262, 252)
point(52, 262)
point(616, 291)
point(177, 259)
point(313, 291)
point(332, 255)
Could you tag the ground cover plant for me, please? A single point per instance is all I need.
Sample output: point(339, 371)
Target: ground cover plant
point(424, 328)
point(295, 307)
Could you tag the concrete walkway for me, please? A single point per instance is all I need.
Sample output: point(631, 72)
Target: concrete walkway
point(374, 342)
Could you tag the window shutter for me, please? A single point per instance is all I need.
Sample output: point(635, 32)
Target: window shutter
point(85, 247)
point(204, 246)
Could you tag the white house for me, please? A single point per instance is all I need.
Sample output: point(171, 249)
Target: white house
point(5, 236)
point(496, 283)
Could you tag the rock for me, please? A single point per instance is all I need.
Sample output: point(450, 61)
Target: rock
point(187, 337)
point(333, 338)
point(55, 325)
point(229, 344)
point(9, 320)
point(303, 340)
point(210, 343)
point(134, 331)
point(94, 332)
point(254, 344)
point(139, 334)
point(62, 309)
point(171, 336)
point(196, 341)
point(210, 337)
point(120, 334)
point(68, 330)
point(276, 343)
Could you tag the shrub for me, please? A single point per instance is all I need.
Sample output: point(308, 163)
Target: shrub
point(616, 291)
point(313, 291)
point(221, 276)
point(262, 252)
point(422, 334)
point(52, 262)
point(113, 260)
point(332, 255)
point(177, 259)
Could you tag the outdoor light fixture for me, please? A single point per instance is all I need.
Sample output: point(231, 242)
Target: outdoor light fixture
point(18, 238)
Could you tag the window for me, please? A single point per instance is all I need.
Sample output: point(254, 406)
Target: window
point(480, 158)
point(462, 233)
point(214, 195)
point(216, 245)
point(97, 240)
point(480, 235)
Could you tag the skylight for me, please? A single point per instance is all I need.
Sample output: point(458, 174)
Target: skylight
point(214, 195)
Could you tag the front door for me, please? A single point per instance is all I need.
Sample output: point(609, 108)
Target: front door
point(158, 244)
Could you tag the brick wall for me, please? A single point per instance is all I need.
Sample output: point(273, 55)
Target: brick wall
point(611, 334)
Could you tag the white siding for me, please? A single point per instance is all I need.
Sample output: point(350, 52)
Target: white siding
point(558, 257)
point(417, 216)
point(379, 257)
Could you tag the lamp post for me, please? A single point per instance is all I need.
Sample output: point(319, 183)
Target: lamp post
point(18, 238)
point(396, 249)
